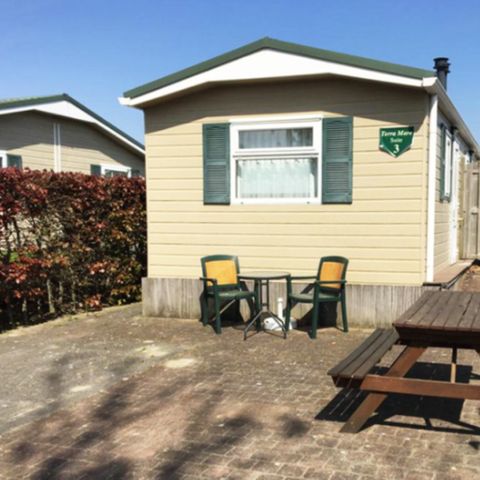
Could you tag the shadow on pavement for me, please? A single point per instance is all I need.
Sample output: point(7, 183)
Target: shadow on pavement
point(443, 410)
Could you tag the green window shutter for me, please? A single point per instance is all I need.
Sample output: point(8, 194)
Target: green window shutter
point(443, 159)
point(96, 170)
point(216, 164)
point(14, 161)
point(136, 173)
point(337, 160)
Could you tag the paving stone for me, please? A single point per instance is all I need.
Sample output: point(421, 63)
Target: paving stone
point(218, 407)
point(292, 471)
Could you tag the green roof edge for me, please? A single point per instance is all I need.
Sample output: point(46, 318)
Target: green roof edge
point(32, 101)
point(287, 47)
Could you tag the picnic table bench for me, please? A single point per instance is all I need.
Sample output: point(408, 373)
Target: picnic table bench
point(437, 319)
point(352, 370)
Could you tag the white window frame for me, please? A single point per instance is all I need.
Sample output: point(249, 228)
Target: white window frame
point(271, 153)
point(3, 158)
point(447, 173)
point(116, 168)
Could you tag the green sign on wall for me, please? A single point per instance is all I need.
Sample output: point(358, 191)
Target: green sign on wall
point(396, 140)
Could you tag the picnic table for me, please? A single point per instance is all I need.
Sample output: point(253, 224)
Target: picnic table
point(438, 319)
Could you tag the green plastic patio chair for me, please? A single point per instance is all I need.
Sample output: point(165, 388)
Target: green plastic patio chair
point(221, 283)
point(328, 286)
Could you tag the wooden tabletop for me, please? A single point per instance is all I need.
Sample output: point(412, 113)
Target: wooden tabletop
point(442, 318)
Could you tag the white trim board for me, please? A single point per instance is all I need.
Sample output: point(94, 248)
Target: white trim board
point(57, 148)
point(432, 171)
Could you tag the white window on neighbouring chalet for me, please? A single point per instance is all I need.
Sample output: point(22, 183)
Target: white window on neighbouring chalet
point(446, 165)
point(9, 160)
point(276, 162)
point(115, 171)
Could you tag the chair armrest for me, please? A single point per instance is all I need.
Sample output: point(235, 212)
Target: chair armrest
point(304, 277)
point(324, 282)
point(208, 279)
point(242, 285)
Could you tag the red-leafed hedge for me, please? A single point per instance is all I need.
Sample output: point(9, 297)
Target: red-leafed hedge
point(68, 242)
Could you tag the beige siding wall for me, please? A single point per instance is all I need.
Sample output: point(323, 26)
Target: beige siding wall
point(30, 135)
point(382, 232)
point(83, 145)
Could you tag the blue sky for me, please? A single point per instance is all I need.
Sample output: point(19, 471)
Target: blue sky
point(96, 49)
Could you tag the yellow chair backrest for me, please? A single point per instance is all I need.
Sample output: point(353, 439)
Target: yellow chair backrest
point(224, 271)
point(331, 271)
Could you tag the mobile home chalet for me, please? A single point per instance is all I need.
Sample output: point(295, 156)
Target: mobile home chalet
point(282, 153)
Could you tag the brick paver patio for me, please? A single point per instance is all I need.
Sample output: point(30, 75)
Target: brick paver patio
point(219, 407)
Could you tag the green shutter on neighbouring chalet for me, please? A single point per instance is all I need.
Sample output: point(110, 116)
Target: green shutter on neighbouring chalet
point(337, 160)
point(14, 161)
point(216, 163)
point(96, 170)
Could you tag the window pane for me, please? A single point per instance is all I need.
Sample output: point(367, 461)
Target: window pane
point(448, 165)
point(276, 138)
point(115, 173)
point(277, 178)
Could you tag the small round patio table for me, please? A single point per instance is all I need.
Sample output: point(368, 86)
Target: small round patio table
point(262, 285)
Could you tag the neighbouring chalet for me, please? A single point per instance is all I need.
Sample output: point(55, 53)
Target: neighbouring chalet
point(59, 133)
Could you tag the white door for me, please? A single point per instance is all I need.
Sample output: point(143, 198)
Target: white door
point(453, 216)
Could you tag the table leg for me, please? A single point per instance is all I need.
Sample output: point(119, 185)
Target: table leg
point(453, 370)
point(275, 317)
point(263, 308)
point(400, 368)
point(259, 287)
point(257, 319)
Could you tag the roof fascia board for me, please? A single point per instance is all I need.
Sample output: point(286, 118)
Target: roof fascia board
point(449, 109)
point(30, 101)
point(268, 64)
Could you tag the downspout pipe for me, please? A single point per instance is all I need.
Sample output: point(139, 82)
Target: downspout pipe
point(431, 190)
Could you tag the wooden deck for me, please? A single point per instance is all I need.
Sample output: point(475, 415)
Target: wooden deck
point(447, 276)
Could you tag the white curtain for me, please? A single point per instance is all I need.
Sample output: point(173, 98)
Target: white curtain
point(276, 138)
point(277, 178)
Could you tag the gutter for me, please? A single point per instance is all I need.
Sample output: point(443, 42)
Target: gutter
point(434, 87)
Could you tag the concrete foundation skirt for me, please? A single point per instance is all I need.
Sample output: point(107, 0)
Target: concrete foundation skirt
point(367, 305)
